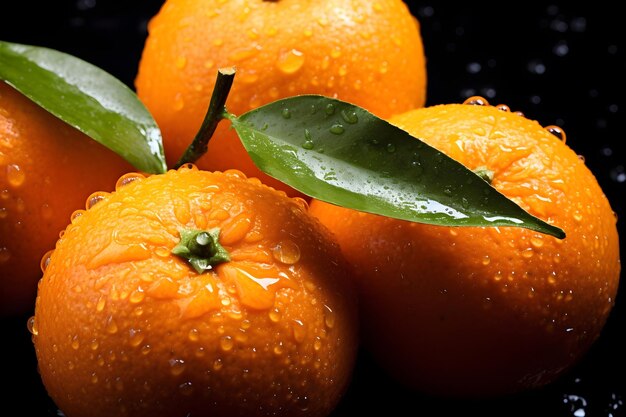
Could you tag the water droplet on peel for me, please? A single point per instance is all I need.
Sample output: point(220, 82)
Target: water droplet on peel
point(299, 330)
point(503, 107)
point(274, 315)
point(226, 343)
point(337, 129)
point(557, 131)
point(329, 317)
point(317, 345)
point(278, 349)
point(177, 366)
point(217, 364)
point(5, 254)
point(291, 61)
point(486, 260)
point(111, 326)
point(536, 241)
point(45, 260)
point(127, 179)
point(286, 252)
point(476, 101)
point(137, 296)
point(31, 324)
point(193, 335)
point(76, 214)
point(15, 175)
point(186, 388)
point(95, 198)
point(75, 342)
point(135, 337)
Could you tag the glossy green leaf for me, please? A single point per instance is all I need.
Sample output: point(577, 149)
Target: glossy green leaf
point(340, 153)
point(87, 98)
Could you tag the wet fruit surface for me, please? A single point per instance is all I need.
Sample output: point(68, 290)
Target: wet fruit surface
point(562, 64)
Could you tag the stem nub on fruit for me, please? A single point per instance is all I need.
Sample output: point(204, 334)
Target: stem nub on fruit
point(201, 248)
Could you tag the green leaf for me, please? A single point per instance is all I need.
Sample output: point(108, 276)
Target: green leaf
point(87, 98)
point(340, 153)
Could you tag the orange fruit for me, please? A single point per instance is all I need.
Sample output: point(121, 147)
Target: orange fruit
point(478, 312)
point(367, 53)
point(47, 169)
point(123, 327)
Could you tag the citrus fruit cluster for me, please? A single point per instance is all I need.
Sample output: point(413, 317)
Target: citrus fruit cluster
point(215, 289)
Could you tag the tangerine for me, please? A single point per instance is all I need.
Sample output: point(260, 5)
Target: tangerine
point(199, 293)
point(280, 48)
point(485, 311)
point(47, 169)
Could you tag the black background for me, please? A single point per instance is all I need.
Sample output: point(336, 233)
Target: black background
point(557, 63)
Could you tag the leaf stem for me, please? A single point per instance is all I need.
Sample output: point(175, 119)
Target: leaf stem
point(215, 113)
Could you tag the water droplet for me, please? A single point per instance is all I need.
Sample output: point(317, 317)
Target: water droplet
point(137, 296)
point(94, 378)
point(308, 140)
point(5, 254)
point(557, 131)
point(528, 253)
point(291, 61)
point(111, 326)
point(286, 252)
point(349, 116)
point(286, 113)
point(75, 342)
point(127, 179)
point(476, 101)
point(45, 260)
point(337, 129)
point(146, 349)
point(330, 109)
point(278, 349)
point(31, 325)
point(95, 198)
point(76, 214)
point(15, 175)
point(317, 345)
point(193, 335)
point(503, 107)
point(217, 364)
point(186, 388)
point(177, 366)
point(536, 241)
point(226, 343)
point(486, 260)
point(299, 330)
point(274, 315)
point(329, 317)
point(391, 148)
point(135, 337)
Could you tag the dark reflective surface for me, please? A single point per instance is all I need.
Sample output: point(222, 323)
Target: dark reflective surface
point(559, 64)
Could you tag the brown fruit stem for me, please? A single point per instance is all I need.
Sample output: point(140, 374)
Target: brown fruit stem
point(201, 248)
point(215, 113)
